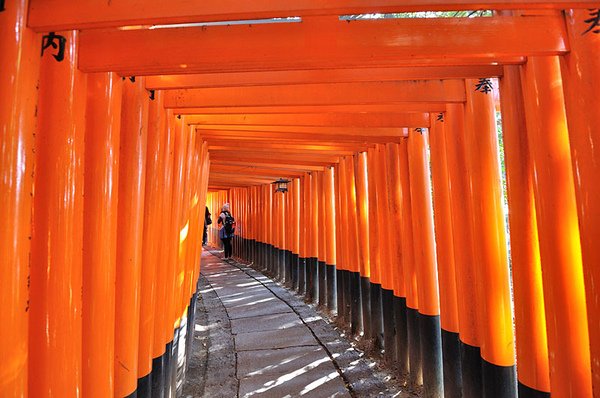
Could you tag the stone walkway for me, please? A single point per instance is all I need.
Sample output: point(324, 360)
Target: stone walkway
point(254, 338)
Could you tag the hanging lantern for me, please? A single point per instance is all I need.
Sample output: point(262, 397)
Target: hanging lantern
point(281, 185)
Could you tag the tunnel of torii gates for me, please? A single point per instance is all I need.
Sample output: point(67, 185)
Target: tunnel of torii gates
point(115, 138)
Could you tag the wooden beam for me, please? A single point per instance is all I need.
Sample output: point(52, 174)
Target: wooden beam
point(315, 119)
point(298, 150)
point(321, 43)
point(54, 15)
point(316, 132)
point(252, 170)
point(320, 94)
point(217, 136)
point(314, 160)
point(275, 165)
point(272, 78)
point(403, 107)
point(315, 146)
point(230, 177)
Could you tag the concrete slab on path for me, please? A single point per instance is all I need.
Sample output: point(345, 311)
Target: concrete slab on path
point(282, 361)
point(294, 336)
point(257, 309)
point(265, 322)
point(312, 383)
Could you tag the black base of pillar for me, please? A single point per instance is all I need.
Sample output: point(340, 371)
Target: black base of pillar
point(528, 392)
point(347, 296)
point(341, 304)
point(331, 288)
point(302, 262)
point(168, 369)
point(431, 355)
point(281, 265)
point(191, 322)
point(376, 316)
point(132, 395)
point(295, 271)
point(401, 356)
point(356, 324)
point(259, 265)
point(172, 375)
point(451, 364)
point(499, 381)
point(271, 262)
point(288, 269)
point(312, 281)
point(365, 297)
point(322, 284)
point(158, 376)
point(471, 371)
point(389, 333)
point(252, 251)
point(415, 377)
point(144, 386)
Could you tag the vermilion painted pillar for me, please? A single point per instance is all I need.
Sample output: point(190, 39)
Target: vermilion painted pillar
point(304, 281)
point(425, 264)
point(395, 202)
point(55, 328)
point(497, 344)
point(560, 247)
point(445, 258)
point(356, 324)
point(162, 334)
point(342, 240)
point(289, 234)
point(132, 173)
point(466, 281)
point(153, 225)
point(19, 64)
point(296, 228)
point(530, 317)
point(330, 239)
point(103, 125)
point(312, 275)
point(362, 203)
point(385, 253)
point(374, 252)
point(322, 240)
point(181, 137)
point(282, 235)
point(339, 249)
point(410, 272)
point(580, 71)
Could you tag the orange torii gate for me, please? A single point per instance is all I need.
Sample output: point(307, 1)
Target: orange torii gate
point(348, 110)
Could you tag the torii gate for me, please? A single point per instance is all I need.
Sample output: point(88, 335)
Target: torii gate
point(316, 91)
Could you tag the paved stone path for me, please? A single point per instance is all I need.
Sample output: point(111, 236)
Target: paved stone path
point(254, 338)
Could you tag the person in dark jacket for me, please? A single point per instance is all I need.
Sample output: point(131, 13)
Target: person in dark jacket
point(226, 232)
point(207, 222)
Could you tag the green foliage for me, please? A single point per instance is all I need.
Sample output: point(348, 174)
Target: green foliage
point(422, 14)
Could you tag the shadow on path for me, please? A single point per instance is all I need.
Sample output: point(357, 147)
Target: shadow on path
point(254, 338)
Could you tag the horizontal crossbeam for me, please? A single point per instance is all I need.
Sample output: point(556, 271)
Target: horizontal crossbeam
point(315, 119)
point(271, 78)
point(45, 15)
point(403, 107)
point(313, 160)
point(259, 136)
point(267, 163)
point(321, 43)
point(314, 131)
point(320, 94)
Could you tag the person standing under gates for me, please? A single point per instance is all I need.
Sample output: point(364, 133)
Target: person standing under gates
point(207, 222)
point(227, 230)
